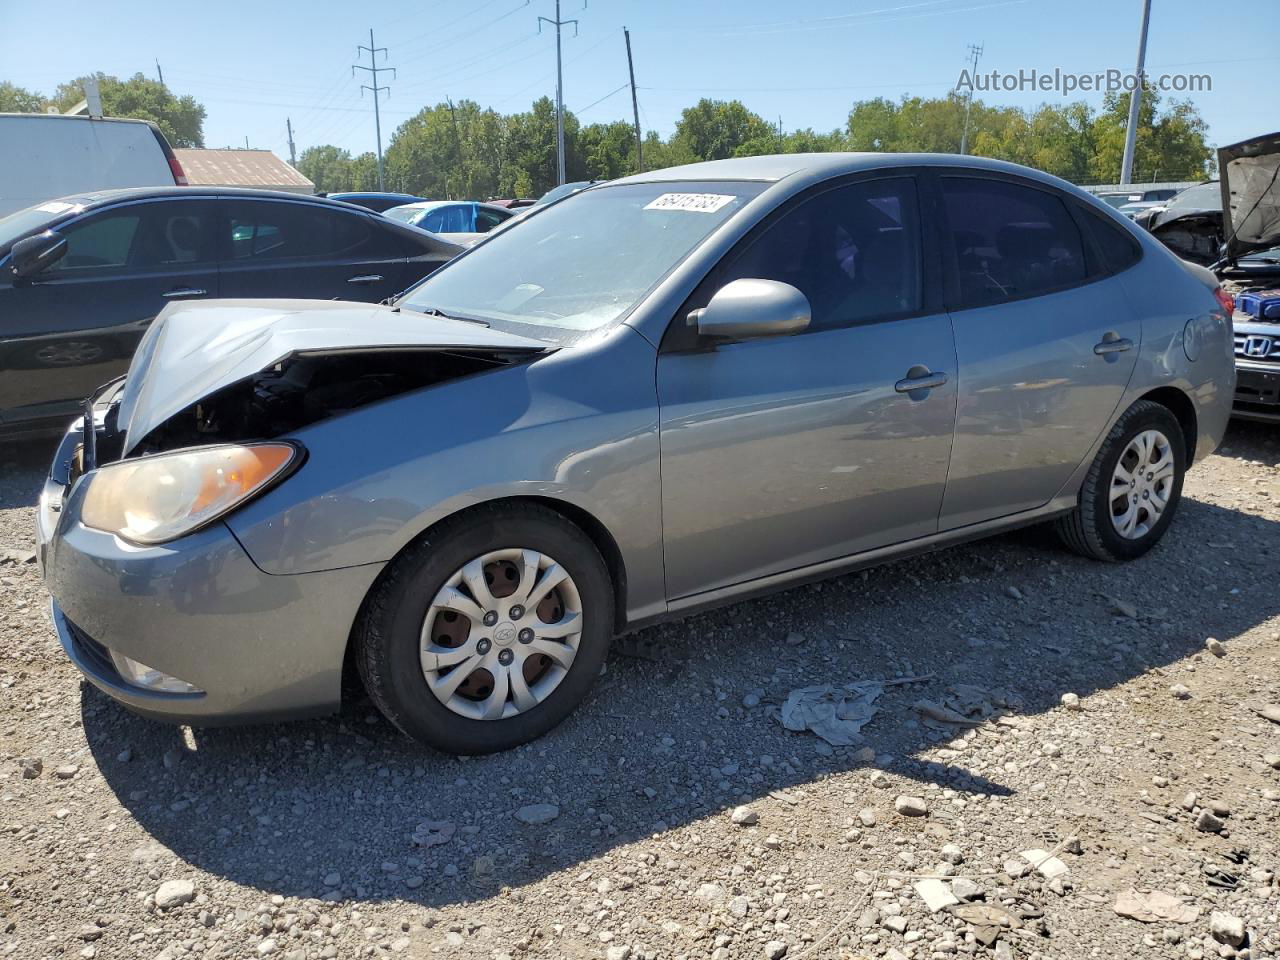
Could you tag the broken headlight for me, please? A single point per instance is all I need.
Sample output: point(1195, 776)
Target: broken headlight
point(159, 498)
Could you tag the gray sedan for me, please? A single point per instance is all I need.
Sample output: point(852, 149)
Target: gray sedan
point(661, 394)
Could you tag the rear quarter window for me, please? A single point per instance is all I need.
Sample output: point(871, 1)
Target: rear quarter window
point(1117, 249)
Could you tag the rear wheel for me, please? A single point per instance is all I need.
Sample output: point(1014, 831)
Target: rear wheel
point(1132, 489)
point(489, 632)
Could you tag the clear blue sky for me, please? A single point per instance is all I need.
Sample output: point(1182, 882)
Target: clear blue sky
point(253, 64)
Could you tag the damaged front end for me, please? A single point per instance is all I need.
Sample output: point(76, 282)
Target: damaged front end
point(244, 371)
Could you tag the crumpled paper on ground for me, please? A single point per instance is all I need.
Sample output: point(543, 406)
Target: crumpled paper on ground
point(1154, 907)
point(965, 706)
point(836, 714)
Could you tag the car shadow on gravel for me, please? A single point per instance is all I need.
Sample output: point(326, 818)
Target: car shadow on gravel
point(1250, 440)
point(673, 733)
point(23, 465)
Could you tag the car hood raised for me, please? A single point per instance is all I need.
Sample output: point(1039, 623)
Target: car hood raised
point(193, 349)
point(1251, 194)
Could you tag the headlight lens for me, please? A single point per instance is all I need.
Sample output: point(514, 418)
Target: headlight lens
point(160, 498)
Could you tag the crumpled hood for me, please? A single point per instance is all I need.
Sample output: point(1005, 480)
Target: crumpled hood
point(193, 349)
point(1250, 173)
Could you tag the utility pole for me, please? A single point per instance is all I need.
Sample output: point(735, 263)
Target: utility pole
point(159, 72)
point(1135, 99)
point(975, 53)
point(558, 23)
point(293, 159)
point(246, 141)
point(373, 70)
point(635, 105)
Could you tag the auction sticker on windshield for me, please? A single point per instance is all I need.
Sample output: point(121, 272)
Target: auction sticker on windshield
point(693, 202)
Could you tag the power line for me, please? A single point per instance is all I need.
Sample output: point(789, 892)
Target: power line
point(593, 103)
point(635, 104)
point(436, 40)
point(558, 24)
point(975, 54)
point(373, 70)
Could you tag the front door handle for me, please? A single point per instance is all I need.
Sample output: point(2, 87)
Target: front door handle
point(366, 278)
point(181, 292)
point(1112, 343)
point(920, 377)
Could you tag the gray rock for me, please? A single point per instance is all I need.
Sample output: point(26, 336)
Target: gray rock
point(536, 813)
point(965, 889)
point(31, 767)
point(1071, 701)
point(775, 950)
point(795, 639)
point(618, 953)
point(332, 879)
point(125, 755)
point(952, 854)
point(1226, 928)
point(744, 816)
point(66, 771)
point(1208, 823)
point(750, 700)
point(1216, 647)
point(867, 816)
point(1272, 760)
point(911, 807)
point(1180, 691)
point(897, 924)
point(173, 893)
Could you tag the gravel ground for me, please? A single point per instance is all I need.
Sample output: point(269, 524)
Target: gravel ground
point(673, 816)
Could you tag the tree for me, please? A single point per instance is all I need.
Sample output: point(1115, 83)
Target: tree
point(608, 149)
point(15, 99)
point(715, 129)
point(180, 119)
point(328, 167)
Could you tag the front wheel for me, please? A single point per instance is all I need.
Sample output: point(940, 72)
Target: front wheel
point(1132, 489)
point(489, 631)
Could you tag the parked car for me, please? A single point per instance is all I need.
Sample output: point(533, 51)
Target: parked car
point(377, 202)
point(450, 216)
point(1120, 200)
point(1135, 208)
point(662, 394)
point(81, 278)
point(513, 204)
point(46, 156)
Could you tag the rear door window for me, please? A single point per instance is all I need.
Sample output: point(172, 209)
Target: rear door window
point(268, 230)
point(1009, 241)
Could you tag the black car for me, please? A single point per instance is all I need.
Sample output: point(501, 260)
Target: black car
point(82, 277)
point(377, 202)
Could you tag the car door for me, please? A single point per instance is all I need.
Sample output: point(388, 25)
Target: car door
point(786, 451)
point(1046, 343)
point(74, 326)
point(489, 217)
point(296, 248)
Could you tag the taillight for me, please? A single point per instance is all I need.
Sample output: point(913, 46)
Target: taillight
point(1225, 301)
point(179, 175)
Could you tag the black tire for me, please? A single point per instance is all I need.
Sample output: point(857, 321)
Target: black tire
point(387, 634)
point(1088, 529)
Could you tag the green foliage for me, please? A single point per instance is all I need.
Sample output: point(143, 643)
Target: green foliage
point(15, 99)
point(716, 129)
point(180, 119)
point(1069, 140)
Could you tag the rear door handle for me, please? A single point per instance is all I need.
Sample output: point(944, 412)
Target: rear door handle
point(366, 278)
point(1114, 345)
point(184, 292)
point(920, 377)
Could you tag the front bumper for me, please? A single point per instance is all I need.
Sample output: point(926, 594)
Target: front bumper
point(1257, 394)
point(257, 646)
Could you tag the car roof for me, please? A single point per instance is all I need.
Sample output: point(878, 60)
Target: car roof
point(777, 167)
point(75, 116)
point(101, 198)
point(367, 194)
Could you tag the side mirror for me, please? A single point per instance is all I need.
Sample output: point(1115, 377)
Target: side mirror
point(28, 257)
point(747, 308)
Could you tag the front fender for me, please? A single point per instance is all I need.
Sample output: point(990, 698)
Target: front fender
point(579, 426)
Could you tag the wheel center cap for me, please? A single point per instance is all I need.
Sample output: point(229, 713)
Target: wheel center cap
point(504, 635)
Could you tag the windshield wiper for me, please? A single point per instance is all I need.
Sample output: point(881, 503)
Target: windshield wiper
point(437, 312)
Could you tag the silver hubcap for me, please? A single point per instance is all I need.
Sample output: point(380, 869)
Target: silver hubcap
point(1141, 484)
point(501, 634)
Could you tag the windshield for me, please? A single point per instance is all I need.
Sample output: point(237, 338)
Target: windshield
point(403, 214)
point(31, 220)
point(1203, 196)
point(583, 263)
point(555, 193)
